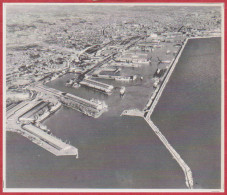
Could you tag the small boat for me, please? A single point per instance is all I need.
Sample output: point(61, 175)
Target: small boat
point(100, 104)
point(122, 90)
point(69, 83)
point(123, 78)
point(134, 77)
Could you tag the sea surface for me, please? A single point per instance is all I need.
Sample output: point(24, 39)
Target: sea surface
point(189, 110)
point(123, 152)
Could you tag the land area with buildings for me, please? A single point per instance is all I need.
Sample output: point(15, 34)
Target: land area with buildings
point(91, 58)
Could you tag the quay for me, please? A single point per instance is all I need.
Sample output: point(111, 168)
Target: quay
point(21, 119)
point(132, 112)
point(31, 114)
point(103, 87)
point(154, 99)
point(21, 108)
point(96, 66)
point(127, 65)
point(88, 107)
point(105, 69)
point(55, 145)
point(47, 113)
point(114, 77)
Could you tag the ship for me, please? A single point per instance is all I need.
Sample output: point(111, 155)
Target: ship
point(76, 85)
point(69, 83)
point(55, 107)
point(134, 77)
point(43, 116)
point(156, 83)
point(123, 78)
point(101, 104)
point(54, 77)
point(122, 90)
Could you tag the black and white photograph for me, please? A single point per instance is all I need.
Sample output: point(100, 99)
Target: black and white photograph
point(113, 97)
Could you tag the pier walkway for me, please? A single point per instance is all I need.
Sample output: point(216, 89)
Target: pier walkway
point(176, 156)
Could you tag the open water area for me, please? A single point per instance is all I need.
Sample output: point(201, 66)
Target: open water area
point(189, 110)
point(123, 152)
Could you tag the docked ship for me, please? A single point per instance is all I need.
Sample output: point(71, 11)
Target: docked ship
point(43, 116)
point(55, 76)
point(55, 107)
point(94, 108)
point(101, 104)
point(155, 85)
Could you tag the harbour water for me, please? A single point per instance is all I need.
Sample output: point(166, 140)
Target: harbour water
point(114, 152)
point(123, 152)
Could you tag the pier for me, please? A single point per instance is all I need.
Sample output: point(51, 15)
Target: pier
point(148, 110)
point(21, 108)
point(97, 85)
point(127, 65)
point(147, 116)
point(105, 69)
point(30, 115)
point(154, 100)
point(87, 107)
point(175, 155)
point(21, 119)
point(113, 77)
point(55, 145)
point(132, 112)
